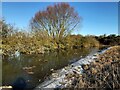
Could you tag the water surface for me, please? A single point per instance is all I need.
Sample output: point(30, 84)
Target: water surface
point(13, 67)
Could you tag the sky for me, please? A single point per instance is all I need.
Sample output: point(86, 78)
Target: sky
point(98, 17)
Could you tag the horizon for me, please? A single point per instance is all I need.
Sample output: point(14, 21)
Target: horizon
point(98, 17)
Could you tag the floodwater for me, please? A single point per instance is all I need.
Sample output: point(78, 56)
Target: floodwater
point(14, 72)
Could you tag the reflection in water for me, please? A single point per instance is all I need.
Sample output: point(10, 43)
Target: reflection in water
point(19, 84)
point(14, 68)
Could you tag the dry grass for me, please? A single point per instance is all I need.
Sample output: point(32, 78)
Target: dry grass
point(103, 73)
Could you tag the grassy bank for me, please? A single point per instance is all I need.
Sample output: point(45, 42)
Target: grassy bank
point(103, 73)
point(34, 44)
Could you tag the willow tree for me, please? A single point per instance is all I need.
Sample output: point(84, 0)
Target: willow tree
point(56, 21)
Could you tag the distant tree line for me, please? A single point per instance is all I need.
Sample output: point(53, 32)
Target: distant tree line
point(111, 39)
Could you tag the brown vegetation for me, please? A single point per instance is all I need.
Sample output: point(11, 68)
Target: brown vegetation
point(103, 73)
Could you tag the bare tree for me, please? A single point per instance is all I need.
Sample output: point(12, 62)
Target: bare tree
point(56, 21)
